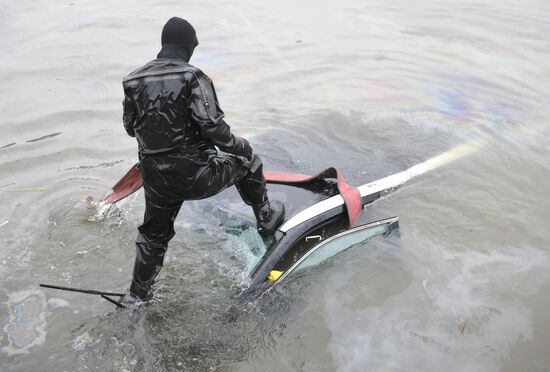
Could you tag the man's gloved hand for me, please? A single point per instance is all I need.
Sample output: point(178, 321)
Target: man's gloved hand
point(242, 148)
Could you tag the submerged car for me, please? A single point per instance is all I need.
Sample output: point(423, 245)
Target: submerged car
point(314, 235)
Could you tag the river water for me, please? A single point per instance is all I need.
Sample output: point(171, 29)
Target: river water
point(371, 87)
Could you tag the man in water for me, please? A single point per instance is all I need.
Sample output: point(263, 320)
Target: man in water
point(171, 108)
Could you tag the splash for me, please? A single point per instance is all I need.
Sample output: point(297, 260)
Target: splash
point(103, 210)
point(250, 246)
point(82, 341)
point(243, 238)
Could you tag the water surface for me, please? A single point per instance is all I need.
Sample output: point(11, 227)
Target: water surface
point(371, 87)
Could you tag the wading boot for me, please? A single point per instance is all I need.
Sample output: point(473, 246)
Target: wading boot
point(138, 292)
point(269, 215)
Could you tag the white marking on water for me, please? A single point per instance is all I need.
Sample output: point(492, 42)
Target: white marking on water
point(82, 341)
point(58, 302)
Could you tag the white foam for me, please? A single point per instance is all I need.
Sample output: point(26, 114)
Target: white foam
point(82, 341)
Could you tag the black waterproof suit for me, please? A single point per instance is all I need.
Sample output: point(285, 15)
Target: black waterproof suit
point(171, 108)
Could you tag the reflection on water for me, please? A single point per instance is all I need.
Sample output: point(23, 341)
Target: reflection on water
point(371, 87)
point(26, 325)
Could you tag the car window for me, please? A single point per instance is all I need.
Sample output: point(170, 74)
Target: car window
point(340, 243)
point(330, 249)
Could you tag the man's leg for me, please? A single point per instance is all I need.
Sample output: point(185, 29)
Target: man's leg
point(151, 245)
point(228, 170)
point(252, 187)
point(161, 210)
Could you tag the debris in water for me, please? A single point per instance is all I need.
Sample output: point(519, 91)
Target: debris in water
point(3, 223)
point(90, 202)
point(425, 286)
point(461, 326)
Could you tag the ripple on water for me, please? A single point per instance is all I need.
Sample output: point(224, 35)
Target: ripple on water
point(43, 137)
point(461, 320)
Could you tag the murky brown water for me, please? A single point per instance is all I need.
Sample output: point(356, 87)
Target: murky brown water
point(383, 85)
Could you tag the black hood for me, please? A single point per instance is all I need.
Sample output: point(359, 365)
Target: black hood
point(178, 39)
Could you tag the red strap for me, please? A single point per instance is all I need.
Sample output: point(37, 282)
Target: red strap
point(352, 196)
point(132, 182)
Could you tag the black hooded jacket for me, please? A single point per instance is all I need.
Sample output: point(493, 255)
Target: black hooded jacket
point(171, 107)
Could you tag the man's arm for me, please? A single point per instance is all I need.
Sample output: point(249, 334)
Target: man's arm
point(129, 115)
point(206, 112)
